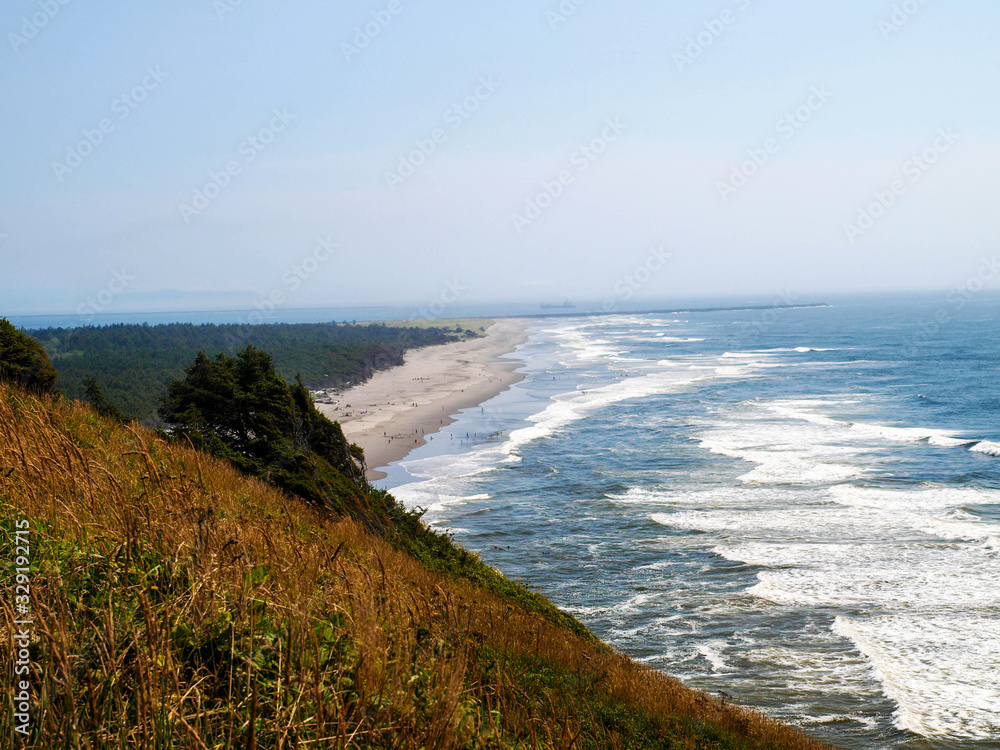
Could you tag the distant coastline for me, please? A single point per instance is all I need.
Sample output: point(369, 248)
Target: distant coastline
point(397, 410)
point(250, 316)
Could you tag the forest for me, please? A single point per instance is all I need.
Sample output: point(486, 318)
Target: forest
point(133, 364)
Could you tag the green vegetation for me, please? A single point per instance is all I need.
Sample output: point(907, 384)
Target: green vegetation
point(135, 363)
point(178, 604)
point(23, 362)
point(95, 397)
point(242, 410)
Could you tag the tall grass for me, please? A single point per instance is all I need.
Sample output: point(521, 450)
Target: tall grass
point(178, 604)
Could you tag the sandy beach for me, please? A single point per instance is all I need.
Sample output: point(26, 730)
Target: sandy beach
point(397, 409)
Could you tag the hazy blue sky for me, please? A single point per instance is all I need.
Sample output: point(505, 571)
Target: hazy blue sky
point(692, 90)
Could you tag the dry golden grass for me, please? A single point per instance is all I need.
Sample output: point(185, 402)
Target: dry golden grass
point(179, 604)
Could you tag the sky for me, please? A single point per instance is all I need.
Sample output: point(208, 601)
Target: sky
point(207, 154)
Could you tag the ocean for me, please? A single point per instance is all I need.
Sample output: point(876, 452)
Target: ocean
point(798, 509)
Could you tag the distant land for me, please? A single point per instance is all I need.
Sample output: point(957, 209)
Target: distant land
point(398, 314)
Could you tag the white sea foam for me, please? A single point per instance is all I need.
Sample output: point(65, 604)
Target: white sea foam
point(871, 574)
point(477, 460)
point(917, 559)
point(584, 347)
point(988, 447)
point(804, 409)
point(748, 519)
point(956, 693)
point(784, 453)
point(629, 606)
point(801, 472)
point(428, 495)
point(906, 434)
point(793, 413)
point(868, 721)
point(712, 652)
point(662, 338)
point(799, 349)
point(933, 509)
point(937, 650)
point(949, 442)
point(641, 496)
point(739, 371)
point(572, 407)
point(925, 497)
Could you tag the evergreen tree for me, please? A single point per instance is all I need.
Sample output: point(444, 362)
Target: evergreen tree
point(95, 397)
point(23, 361)
point(241, 409)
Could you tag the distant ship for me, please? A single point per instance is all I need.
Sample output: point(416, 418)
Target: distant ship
point(566, 304)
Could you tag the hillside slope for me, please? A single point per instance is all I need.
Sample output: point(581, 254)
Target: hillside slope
point(176, 603)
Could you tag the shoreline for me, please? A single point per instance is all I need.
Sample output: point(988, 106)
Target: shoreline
point(396, 410)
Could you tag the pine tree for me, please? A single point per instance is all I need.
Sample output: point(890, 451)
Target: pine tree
point(241, 409)
point(95, 396)
point(24, 362)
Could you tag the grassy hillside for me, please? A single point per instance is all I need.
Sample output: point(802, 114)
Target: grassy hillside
point(178, 604)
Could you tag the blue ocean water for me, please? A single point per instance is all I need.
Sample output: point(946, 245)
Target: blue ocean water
point(800, 507)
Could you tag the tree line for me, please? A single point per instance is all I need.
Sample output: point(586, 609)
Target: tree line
point(132, 365)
